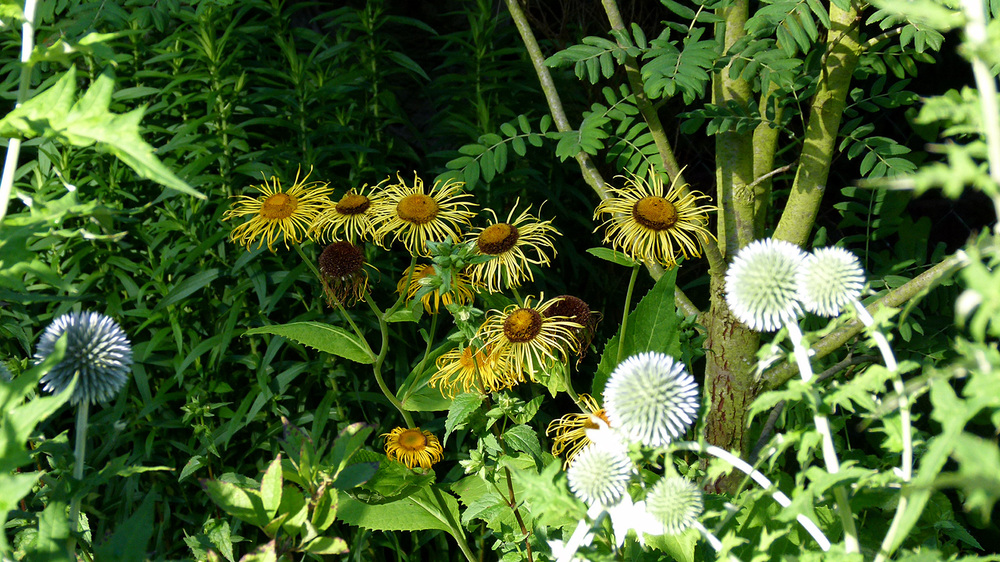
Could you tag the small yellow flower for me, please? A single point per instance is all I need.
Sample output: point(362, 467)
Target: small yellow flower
point(461, 289)
point(571, 429)
point(472, 369)
point(288, 213)
point(342, 269)
point(533, 341)
point(646, 224)
point(413, 447)
point(410, 215)
point(505, 243)
point(351, 216)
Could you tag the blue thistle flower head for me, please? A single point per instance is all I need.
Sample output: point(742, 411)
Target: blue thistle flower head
point(761, 285)
point(829, 280)
point(600, 474)
point(96, 348)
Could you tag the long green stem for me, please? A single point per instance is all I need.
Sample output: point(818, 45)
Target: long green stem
point(829, 451)
point(79, 452)
point(14, 144)
point(628, 306)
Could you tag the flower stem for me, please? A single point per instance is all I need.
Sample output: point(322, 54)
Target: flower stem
point(829, 451)
point(79, 451)
point(761, 480)
point(14, 144)
point(628, 305)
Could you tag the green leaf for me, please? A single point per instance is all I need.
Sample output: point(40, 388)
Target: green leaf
point(270, 487)
point(523, 438)
point(612, 256)
point(416, 394)
point(426, 509)
point(87, 122)
point(679, 547)
point(652, 326)
point(130, 540)
point(462, 406)
point(245, 505)
point(322, 337)
point(326, 545)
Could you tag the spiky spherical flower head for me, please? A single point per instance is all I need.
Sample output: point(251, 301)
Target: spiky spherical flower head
point(413, 447)
point(676, 503)
point(651, 399)
point(761, 286)
point(600, 474)
point(342, 269)
point(96, 349)
point(828, 280)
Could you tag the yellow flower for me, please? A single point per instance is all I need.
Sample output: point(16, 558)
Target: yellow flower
point(506, 243)
point(289, 213)
point(571, 429)
point(351, 215)
point(413, 447)
point(646, 224)
point(533, 341)
point(473, 369)
point(415, 217)
point(343, 275)
point(461, 289)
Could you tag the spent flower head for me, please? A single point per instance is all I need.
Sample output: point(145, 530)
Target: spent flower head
point(96, 349)
point(828, 280)
point(651, 399)
point(761, 286)
point(599, 475)
point(674, 502)
point(342, 273)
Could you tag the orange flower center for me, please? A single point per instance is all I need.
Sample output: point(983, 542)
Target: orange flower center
point(353, 204)
point(655, 213)
point(522, 325)
point(278, 206)
point(591, 424)
point(412, 440)
point(497, 239)
point(417, 209)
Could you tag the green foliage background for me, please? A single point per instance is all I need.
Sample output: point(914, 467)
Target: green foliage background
point(231, 91)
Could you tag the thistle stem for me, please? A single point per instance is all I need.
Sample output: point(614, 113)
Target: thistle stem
point(14, 144)
point(829, 451)
point(761, 480)
point(79, 451)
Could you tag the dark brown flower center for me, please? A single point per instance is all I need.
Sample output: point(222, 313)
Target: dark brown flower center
point(353, 204)
point(655, 213)
point(571, 307)
point(278, 206)
point(522, 325)
point(413, 439)
point(417, 209)
point(341, 259)
point(497, 239)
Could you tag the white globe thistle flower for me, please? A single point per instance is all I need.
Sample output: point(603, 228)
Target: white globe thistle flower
point(761, 287)
point(676, 503)
point(651, 399)
point(600, 474)
point(96, 348)
point(828, 280)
